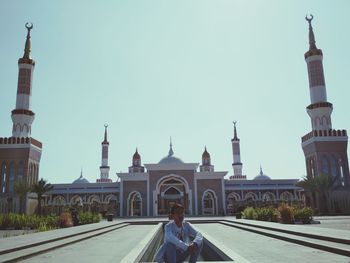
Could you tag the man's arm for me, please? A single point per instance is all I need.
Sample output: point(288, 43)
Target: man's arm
point(198, 238)
point(170, 237)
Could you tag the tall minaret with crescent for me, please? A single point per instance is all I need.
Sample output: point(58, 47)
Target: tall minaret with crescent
point(22, 116)
point(236, 152)
point(20, 154)
point(325, 148)
point(104, 168)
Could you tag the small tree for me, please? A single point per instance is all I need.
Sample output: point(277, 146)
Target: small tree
point(40, 188)
point(324, 184)
point(309, 186)
point(21, 189)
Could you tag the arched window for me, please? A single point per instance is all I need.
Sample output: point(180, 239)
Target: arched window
point(268, 197)
point(286, 196)
point(312, 168)
point(341, 170)
point(12, 177)
point(325, 165)
point(20, 172)
point(333, 166)
point(3, 177)
point(59, 200)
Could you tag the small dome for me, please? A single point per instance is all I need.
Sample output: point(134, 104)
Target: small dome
point(136, 156)
point(81, 180)
point(205, 154)
point(170, 160)
point(261, 176)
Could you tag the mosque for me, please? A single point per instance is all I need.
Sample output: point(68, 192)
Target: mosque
point(151, 189)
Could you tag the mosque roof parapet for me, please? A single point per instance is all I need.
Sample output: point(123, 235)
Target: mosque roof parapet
point(171, 166)
point(85, 188)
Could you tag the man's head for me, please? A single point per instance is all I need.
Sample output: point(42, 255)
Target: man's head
point(177, 213)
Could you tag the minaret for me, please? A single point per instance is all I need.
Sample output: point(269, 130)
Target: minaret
point(136, 166)
point(206, 162)
point(20, 154)
point(104, 168)
point(22, 116)
point(325, 149)
point(236, 165)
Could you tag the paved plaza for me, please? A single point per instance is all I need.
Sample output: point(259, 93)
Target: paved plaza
point(244, 240)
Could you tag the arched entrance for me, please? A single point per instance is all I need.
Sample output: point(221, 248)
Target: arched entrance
point(170, 190)
point(209, 203)
point(134, 207)
point(233, 202)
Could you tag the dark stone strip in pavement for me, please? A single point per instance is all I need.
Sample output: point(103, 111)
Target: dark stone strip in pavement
point(327, 248)
point(5, 251)
point(299, 233)
point(14, 257)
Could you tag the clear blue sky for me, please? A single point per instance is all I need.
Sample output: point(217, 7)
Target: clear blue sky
point(186, 69)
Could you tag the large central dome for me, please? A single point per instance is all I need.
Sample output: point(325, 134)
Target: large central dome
point(170, 159)
point(261, 176)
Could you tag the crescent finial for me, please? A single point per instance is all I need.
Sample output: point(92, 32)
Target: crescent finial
point(309, 19)
point(29, 26)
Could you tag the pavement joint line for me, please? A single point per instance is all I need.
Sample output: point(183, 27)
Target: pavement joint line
point(289, 239)
point(29, 255)
point(321, 237)
point(6, 251)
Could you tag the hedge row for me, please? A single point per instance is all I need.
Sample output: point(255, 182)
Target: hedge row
point(284, 214)
point(43, 223)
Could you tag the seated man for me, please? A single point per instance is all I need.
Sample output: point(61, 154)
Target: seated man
point(180, 239)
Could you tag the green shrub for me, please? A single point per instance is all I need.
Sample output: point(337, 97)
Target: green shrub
point(249, 213)
point(266, 214)
point(285, 214)
point(20, 221)
point(303, 214)
point(88, 218)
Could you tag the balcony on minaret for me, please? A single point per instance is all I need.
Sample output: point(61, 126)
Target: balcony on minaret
point(340, 134)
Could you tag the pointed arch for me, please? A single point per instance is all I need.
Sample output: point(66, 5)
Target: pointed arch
point(12, 176)
point(233, 196)
point(3, 177)
point(269, 197)
point(59, 200)
point(209, 202)
point(286, 196)
point(93, 198)
point(251, 196)
point(110, 197)
point(134, 204)
point(76, 200)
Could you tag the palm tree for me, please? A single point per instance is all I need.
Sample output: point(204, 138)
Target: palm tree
point(309, 186)
point(40, 188)
point(321, 185)
point(324, 184)
point(21, 189)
